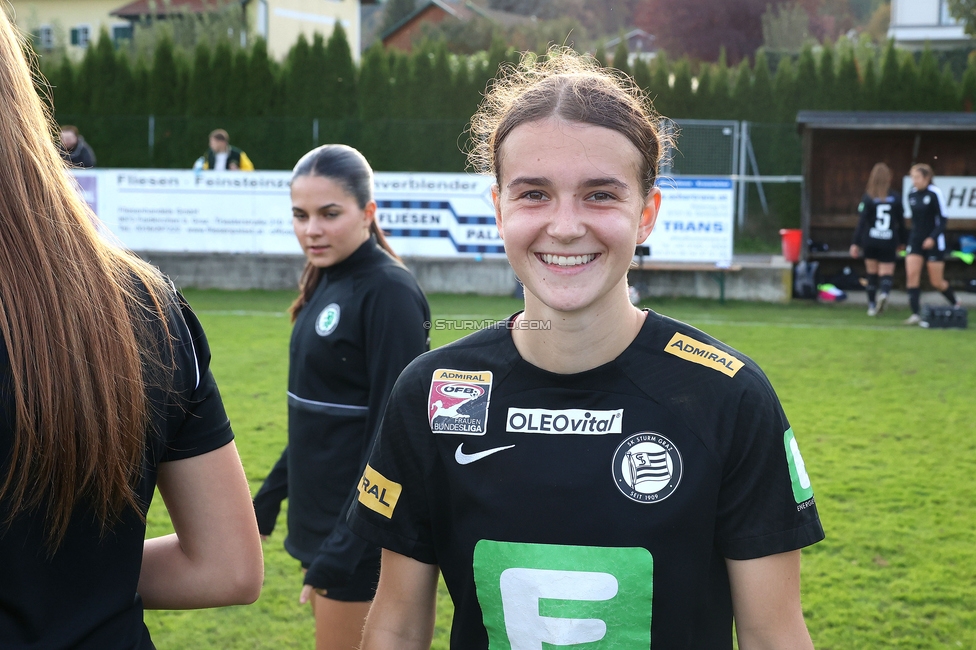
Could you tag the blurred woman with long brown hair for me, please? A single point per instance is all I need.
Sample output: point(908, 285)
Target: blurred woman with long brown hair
point(105, 394)
point(880, 232)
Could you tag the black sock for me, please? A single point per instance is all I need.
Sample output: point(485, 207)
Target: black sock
point(913, 296)
point(872, 287)
point(950, 295)
point(886, 283)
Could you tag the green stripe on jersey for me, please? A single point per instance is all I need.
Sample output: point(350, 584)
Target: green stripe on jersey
point(802, 490)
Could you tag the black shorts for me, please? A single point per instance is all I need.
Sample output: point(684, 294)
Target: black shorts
point(361, 587)
point(883, 254)
point(929, 255)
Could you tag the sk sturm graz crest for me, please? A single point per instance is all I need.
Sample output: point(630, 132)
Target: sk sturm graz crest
point(458, 402)
point(647, 467)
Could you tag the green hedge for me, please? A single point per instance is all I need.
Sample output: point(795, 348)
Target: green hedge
point(409, 111)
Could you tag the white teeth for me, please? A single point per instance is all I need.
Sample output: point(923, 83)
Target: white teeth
point(563, 260)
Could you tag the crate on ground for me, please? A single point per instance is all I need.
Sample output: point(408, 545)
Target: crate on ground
point(944, 317)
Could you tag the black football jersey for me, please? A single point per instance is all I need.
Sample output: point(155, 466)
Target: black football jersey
point(928, 217)
point(880, 223)
point(590, 507)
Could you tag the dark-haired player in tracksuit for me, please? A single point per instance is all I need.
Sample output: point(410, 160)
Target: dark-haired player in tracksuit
point(927, 242)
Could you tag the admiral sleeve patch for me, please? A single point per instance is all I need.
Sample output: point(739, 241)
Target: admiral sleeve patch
point(378, 493)
point(703, 354)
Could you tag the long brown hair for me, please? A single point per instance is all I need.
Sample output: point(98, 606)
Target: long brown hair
point(879, 182)
point(75, 327)
point(349, 168)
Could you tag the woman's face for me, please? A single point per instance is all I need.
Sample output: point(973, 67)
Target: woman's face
point(328, 222)
point(919, 180)
point(570, 209)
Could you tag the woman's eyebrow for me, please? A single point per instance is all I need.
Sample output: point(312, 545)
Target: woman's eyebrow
point(603, 182)
point(329, 206)
point(539, 181)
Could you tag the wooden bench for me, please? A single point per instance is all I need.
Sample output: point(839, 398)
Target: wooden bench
point(716, 271)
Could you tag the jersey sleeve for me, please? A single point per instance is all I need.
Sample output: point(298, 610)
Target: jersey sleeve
point(898, 218)
point(862, 222)
point(392, 509)
point(940, 213)
point(198, 422)
point(766, 503)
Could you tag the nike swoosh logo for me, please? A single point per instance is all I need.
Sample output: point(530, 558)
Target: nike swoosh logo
point(463, 458)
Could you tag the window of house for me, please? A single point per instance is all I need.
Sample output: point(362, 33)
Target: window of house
point(945, 17)
point(121, 33)
point(44, 38)
point(80, 35)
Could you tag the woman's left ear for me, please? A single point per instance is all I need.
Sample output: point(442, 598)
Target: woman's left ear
point(649, 215)
point(369, 213)
point(496, 201)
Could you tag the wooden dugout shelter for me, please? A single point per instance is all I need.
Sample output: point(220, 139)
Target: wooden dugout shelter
point(839, 150)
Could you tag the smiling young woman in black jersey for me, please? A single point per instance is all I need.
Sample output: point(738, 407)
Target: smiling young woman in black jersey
point(585, 472)
point(879, 233)
point(927, 242)
point(359, 320)
point(105, 395)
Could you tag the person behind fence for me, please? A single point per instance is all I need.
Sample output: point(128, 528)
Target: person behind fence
point(880, 232)
point(585, 472)
point(359, 319)
point(221, 156)
point(927, 241)
point(105, 395)
point(74, 149)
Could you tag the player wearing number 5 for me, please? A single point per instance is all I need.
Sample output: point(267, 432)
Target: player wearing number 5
point(612, 477)
point(880, 232)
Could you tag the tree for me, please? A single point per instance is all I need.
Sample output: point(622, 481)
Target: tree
point(699, 28)
point(807, 83)
point(929, 83)
point(342, 74)
point(762, 106)
point(261, 81)
point(742, 97)
point(785, 28)
point(297, 80)
point(164, 80)
point(848, 88)
point(828, 79)
point(221, 72)
point(198, 101)
point(620, 56)
point(785, 91)
point(965, 11)
point(968, 91)
point(868, 97)
point(681, 103)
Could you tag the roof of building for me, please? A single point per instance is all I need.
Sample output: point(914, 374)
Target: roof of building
point(886, 121)
point(463, 10)
point(632, 34)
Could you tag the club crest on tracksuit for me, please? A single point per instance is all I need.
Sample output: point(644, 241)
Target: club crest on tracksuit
point(327, 320)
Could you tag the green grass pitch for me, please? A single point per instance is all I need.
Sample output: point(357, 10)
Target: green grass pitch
point(885, 416)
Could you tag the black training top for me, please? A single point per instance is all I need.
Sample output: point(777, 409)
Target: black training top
point(881, 223)
point(363, 324)
point(928, 218)
point(84, 597)
point(566, 509)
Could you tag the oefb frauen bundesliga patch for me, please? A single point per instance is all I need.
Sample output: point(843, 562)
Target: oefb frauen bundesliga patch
point(458, 401)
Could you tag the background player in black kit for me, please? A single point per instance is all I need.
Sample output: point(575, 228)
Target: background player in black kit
point(585, 471)
point(879, 233)
point(105, 394)
point(926, 244)
point(359, 320)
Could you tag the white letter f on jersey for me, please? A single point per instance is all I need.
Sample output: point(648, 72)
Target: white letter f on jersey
point(523, 588)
